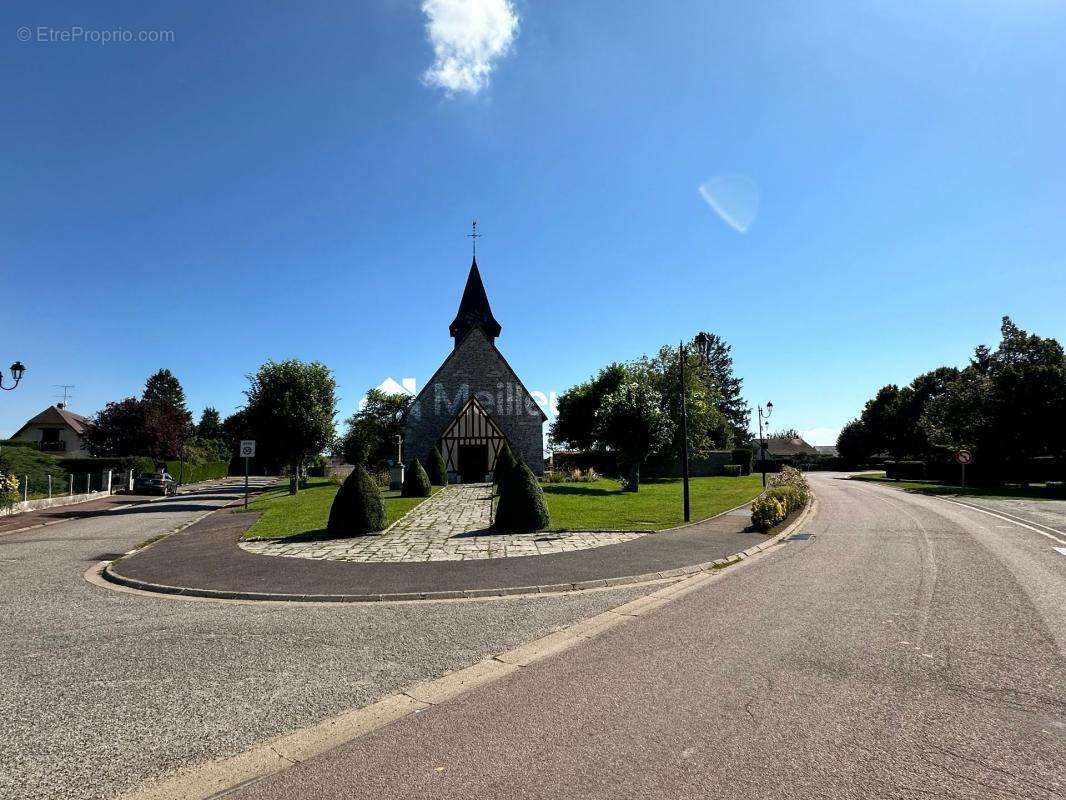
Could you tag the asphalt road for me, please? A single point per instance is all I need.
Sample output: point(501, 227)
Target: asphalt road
point(100, 690)
point(911, 649)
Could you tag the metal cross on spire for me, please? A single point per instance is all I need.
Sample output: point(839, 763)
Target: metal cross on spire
point(474, 236)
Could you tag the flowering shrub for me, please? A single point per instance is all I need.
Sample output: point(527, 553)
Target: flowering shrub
point(790, 476)
point(791, 497)
point(788, 492)
point(766, 512)
point(9, 490)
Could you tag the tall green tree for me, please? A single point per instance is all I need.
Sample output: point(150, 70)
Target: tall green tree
point(718, 365)
point(210, 425)
point(575, 423)
point(291, 406)
point(370, 438)
point(1008, 404)
point(708, 428)
point(118, 430)
point(853, 443)
point(631, 421)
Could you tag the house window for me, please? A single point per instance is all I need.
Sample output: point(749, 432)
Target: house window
point(49, 434)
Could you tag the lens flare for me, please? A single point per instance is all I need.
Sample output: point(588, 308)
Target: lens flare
point(734, 198)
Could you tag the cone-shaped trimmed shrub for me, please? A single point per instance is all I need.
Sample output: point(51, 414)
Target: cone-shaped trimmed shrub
point(436, 468)
point(357, 508)
point(416, 481)
point(521, 508)
point(505, 464)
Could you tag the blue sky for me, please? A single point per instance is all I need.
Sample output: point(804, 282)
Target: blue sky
point(297, 180)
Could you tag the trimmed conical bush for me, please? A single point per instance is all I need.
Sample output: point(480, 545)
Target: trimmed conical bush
point(436, 468)
point(358, 507)
point(416, 481)
point(505, 464)
point(521, 507)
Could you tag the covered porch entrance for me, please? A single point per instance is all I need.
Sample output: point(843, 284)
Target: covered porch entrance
point(471, 443)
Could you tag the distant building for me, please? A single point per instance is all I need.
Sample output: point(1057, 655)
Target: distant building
point(56, 430)
point(829, 450)
point(780, 447)
point(474, 403)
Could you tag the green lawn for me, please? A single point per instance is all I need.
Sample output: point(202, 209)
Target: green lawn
point(602, 505)
point(1036, 491)
point(307, 512)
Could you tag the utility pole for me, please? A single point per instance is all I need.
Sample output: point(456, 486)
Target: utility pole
point(684, 433)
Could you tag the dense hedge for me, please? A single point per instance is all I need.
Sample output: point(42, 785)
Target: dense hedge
point(33, 467)
point(905, 470)
point(117, 464)
point(744, 457)
point(603, 461)
point(980, 473)
point(194, 473)
point(733, 470)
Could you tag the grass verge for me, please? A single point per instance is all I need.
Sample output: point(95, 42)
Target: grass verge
point(306, 513)
point(1036, 491)
point(602, 505)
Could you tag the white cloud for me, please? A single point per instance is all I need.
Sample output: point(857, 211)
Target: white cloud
point(468, 37)
point(820, 435)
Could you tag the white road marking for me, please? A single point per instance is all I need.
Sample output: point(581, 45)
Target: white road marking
point(1060, 549)
point(1010, 519)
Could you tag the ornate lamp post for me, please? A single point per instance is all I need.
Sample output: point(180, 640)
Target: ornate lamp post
point(762, 439)
point(702, 343)
point(17, 370)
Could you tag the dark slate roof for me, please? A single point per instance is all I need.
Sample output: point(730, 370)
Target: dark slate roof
point(779, 446)
point(474, 309)
point(56, 415)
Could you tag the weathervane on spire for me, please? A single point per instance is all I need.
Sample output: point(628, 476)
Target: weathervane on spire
point(474, 236)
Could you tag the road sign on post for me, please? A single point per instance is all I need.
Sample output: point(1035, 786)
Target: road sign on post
point(247, 451)
point(964, 457)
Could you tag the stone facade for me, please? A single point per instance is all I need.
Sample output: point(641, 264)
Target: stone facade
point(476, 368)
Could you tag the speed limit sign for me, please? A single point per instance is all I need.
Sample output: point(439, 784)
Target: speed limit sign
point(964, 457)
point(247, 451)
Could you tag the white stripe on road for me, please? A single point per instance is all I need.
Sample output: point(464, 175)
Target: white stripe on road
point(1060, 549)
point(1016, 522)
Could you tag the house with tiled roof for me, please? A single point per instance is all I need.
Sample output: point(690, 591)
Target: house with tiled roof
point(56, 430)
point(786, 448)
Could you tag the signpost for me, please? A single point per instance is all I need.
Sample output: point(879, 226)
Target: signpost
point(247, 452)
point(964, 457)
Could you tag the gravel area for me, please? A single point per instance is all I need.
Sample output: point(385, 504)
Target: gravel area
point(100, 690)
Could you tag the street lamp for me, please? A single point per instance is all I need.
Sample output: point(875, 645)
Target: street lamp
point(762, 440)
point(17, 371)
point(702, 342)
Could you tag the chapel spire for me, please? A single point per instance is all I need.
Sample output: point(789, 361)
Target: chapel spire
point(474, 309)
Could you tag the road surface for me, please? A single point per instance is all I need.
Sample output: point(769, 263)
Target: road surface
point(101, 690)
point(912, 649)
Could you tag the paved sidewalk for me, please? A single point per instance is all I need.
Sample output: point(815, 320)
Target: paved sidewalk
point(206, 558)
point(452, 525)
point(94, 508)
point(461, 508)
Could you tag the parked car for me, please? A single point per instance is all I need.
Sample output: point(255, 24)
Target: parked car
point(155, 483)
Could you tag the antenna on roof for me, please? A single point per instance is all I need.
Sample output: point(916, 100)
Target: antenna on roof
point(67, 394)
